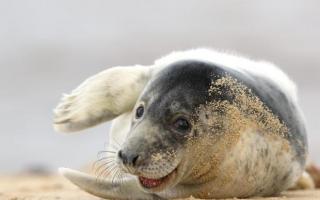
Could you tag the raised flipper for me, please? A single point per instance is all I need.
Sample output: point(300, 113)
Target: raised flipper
point(128, 189)
point(101, 98)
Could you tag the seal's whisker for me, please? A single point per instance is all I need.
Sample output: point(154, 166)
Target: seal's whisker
point(103, 166)
point(115, 176)
point(99, 172)
point(130, 169)
point(125, 168)
point(105, 153)
point(105, 157)
point(120, 178)
point(102, 172)
point(98, 163)
point(109, 170)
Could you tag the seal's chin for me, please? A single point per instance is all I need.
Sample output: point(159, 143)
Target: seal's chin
point(156, 185)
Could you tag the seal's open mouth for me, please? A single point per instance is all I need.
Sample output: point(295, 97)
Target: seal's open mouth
point(150, 183)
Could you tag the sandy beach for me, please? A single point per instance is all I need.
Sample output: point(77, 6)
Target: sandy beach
point(54, 187)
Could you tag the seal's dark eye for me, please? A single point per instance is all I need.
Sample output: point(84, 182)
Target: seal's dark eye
point(181, 125)
point(139, 112)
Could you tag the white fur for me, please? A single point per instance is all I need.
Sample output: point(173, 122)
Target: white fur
point(100, 98)
point(119, 130)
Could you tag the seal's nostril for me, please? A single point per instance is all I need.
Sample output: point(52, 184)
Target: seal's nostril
point(130, 159)
point(120, 154)
point(134, 160)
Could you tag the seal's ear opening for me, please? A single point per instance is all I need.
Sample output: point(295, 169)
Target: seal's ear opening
point(101, 98)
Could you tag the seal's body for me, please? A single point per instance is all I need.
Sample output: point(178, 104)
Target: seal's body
point(198, 123)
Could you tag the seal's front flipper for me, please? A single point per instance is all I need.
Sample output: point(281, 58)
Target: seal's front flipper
point(101, 98)
point(128, 189)
point(305, 182)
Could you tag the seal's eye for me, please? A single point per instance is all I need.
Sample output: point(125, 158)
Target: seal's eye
point(139, 112)
point(181, 125)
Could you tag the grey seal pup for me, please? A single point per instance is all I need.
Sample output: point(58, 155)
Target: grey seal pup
point(196, 123)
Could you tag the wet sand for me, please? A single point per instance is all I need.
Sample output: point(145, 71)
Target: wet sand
point(52, 187)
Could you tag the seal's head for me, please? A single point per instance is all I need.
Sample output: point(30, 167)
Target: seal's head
point(163, 124)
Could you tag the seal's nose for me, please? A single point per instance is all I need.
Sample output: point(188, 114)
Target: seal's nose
point(128, 158)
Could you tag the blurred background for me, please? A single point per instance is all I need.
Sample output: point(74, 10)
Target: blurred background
point(49, 47)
